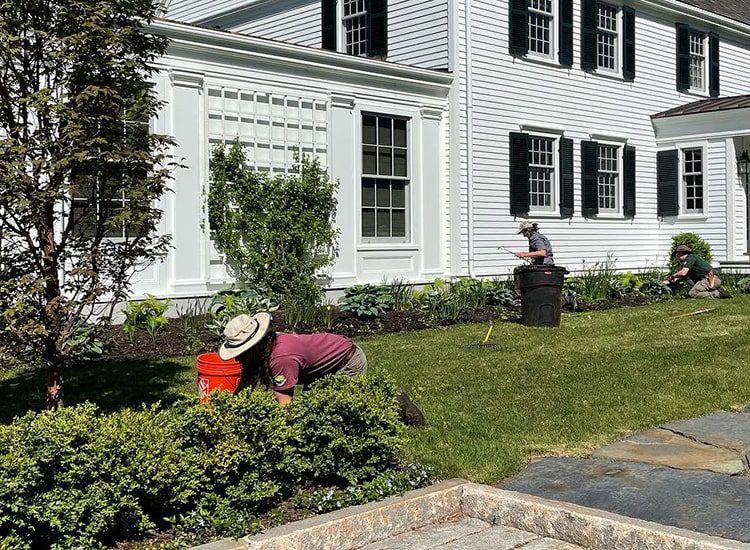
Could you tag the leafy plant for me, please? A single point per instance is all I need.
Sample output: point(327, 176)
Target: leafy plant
point(308, 310)
point(86, 342)
point(193, 319)
point(699, 247)
point(227, 304)
point(402, 293)
point(368, 301)
point(735, 283)
point(148, 315)
point(596, 281)
point(277, 232)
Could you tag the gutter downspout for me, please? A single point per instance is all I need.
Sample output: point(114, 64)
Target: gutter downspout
point(469, 139)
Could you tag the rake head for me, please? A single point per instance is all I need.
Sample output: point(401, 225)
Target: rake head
point(485, 344)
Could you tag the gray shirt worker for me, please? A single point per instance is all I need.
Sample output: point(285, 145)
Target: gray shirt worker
point(539, 242)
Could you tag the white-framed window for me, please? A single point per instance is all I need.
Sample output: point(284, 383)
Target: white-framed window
point(541, 27)
point(697, 61)
point(693, 181)
point(542, 174)
point(355, 26)
point(607, 37)
point(385, 178)
point(608, 178)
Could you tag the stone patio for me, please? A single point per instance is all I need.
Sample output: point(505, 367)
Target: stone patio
point(691, 474)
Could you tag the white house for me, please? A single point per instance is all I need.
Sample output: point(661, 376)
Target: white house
point(613, 124)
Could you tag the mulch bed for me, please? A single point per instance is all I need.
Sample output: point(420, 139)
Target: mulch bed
point(172, 340)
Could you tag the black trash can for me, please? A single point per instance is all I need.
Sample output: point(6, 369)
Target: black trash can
point(540, 287)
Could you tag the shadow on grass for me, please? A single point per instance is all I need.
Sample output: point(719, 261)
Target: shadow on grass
point(109, 385)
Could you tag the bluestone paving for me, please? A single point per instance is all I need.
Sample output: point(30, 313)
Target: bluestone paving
point(723, 429)
point(706, 502)
point(665, 448)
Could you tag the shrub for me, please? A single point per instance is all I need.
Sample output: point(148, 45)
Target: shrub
point(81, 479)
point(735, 283)
point(696, 244)
point(148, 315)
point(276, 231)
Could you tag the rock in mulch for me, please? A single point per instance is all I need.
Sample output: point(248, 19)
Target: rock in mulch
point(665, 448)
point(701, 501)
point(722, 429)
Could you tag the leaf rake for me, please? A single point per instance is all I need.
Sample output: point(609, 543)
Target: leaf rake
point(485, 344)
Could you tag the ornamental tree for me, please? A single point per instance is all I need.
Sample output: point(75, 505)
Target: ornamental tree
point(79, 170)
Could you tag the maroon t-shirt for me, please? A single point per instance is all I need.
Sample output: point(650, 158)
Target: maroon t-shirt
point(302, 358)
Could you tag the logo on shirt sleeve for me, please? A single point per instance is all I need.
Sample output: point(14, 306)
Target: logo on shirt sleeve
point(279, 380)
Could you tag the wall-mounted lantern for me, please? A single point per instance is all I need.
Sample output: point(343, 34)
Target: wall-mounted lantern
point(743, 167)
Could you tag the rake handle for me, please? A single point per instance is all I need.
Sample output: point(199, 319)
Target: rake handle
point(489, 332)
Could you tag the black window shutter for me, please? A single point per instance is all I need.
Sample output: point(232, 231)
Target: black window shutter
point(628, 201)
point(628, 58)
point(566, 33)
point(666, 183)
point(588, 35)
point(567, 205)
point(683, 57)
point(519, 28)
point(713, 71)
point(377, 28)
point(589, 179)
point(519, 174)
point(328, 20)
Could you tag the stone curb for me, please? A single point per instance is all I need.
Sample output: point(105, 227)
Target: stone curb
point(358, 526)
point(579, 525)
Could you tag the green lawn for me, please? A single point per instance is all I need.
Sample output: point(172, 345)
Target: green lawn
point(562, 391)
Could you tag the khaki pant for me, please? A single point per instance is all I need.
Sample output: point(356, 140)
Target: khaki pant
point(357, 363)
point(702, 289)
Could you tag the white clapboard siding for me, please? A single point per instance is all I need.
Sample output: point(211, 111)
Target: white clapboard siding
point(507, 92)
point(418, 33)
point(193, 11)
point(294, 21)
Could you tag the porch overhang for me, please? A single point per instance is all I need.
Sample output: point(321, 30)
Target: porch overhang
point(719, 117)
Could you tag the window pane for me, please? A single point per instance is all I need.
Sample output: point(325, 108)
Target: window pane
point(399, 223)
point(384, 223)
point(398, 194)
point(385, 161)
point(384, 131)
point(384, 194)
point(399, 162)
point(368, 129)
point(399, 133)
point(369, 160)
point(368, 193)
point(368, 222)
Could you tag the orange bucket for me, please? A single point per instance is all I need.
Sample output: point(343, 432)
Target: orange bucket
point(216, 374)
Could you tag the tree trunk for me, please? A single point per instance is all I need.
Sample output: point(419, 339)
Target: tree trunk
point(54, 384)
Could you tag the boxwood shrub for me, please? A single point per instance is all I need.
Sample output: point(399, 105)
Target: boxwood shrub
point(81, 478)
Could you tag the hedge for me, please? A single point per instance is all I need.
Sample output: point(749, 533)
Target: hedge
point(82, 478)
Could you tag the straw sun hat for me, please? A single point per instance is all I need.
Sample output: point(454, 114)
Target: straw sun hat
point(242, 333)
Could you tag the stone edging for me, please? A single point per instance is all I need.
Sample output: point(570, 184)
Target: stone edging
point(358, 526)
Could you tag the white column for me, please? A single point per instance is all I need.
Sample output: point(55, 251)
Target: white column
point(188, 257)
point(432, 205)
point(342, 155)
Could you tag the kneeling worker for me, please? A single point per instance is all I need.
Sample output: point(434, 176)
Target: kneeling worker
point(286, 360)
point(540, 249)
point(699, 272)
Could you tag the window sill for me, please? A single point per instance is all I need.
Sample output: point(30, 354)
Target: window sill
point(611, 76)
point(697, 93)
point(544, 214)
point(541, 60)
point(386, 246)
point(693, 217)
point(610, 216)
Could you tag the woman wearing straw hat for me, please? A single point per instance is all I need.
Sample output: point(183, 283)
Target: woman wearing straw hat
point(287, 360)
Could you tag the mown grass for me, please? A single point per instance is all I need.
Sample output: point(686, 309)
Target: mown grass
point(546, 391)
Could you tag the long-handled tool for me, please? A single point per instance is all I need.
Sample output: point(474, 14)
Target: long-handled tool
point(691, 314)
point(485, 344)
point(513, 253)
